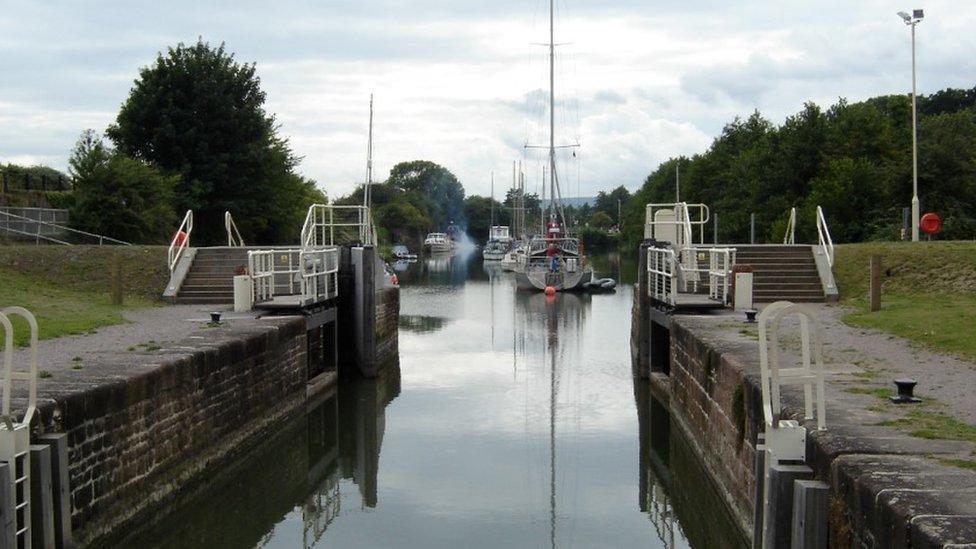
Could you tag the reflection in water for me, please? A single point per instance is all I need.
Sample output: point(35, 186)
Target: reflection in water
point(516, 427)
point(297, 472)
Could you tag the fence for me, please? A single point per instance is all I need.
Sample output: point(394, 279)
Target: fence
point(36, 225)
point(14, 179)
point(335, 225)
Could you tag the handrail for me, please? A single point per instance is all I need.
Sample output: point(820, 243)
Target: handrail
point(9, 374)
point(703, 211)
point(38, 235)
point(233, 235)
point(661, 264)
point(309, 275)
point(790, 236)
point(181, 240)
point(319, 228)
point(826, 243)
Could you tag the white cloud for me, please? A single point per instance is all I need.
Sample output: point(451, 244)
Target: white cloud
point(454, 82)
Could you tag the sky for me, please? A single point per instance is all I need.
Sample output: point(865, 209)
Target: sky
point(465, 84)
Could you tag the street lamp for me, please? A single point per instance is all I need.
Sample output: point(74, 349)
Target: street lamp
point(912, 20)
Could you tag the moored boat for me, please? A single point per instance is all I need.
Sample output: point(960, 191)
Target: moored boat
point(499, 243)
point(438, 243)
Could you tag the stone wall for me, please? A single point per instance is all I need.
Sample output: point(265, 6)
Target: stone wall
point(717, 403)
point(136, 440)
point(387, 325)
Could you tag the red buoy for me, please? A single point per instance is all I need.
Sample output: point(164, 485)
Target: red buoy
point(550, 290)
point(930, 223)
point(394, 280)
point(178, 239)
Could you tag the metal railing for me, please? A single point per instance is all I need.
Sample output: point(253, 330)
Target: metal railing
point(661, 274)
point(233, 235)
point(720, 262)
point(826, 243)
point(682, 221)
point(669, 274)
point(298, 276)
point(334, 225)
point(790, 236)
point(14, 434)
point(27, 228)
point(181, 240)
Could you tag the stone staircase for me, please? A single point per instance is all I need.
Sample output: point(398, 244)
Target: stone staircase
point(211, 276)
point(782, 272)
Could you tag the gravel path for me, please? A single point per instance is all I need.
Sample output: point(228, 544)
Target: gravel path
point(158, 324)
point(946, 378)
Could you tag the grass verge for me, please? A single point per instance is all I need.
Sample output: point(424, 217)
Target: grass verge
point(66, 287)
point(928, 291)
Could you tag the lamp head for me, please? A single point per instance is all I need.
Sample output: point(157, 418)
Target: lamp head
point(918, 15)
point(905, 16)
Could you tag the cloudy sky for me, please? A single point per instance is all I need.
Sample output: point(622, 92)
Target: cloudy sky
point(460, 82)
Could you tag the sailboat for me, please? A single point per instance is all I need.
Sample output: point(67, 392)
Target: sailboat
point(500, 241)
point(554, 262)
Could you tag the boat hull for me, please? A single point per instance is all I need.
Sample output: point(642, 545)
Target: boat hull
point(561, 281)
point(493, 256)
point(438, 248)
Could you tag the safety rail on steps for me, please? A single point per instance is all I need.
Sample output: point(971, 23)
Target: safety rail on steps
point(790, 236)
point(669, 274)
point(297, 276)
point(334, 225)
point(8, 219)
point(676, 220)
point(826, 243)
point(234, 239)
point(181, 240)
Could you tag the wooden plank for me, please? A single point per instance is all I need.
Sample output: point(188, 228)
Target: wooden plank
point(810, 498)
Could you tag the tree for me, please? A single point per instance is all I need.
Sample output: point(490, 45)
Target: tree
point(436, 184)
point(402, 221)
point(601, 220)
point(119, 196)
point(477, 211)
point(198, 113)
point(608, 202)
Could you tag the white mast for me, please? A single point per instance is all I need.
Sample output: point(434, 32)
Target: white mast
point(492, 201)
point(369, 157)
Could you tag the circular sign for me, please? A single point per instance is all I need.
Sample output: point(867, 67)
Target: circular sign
point(930, 223)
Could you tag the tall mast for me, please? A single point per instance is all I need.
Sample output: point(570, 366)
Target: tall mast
point(552, 105)
point(369, 156)
point(492, 224)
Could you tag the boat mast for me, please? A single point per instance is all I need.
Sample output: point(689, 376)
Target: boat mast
point(492, 223)
point(369, 157)
point(552, 105)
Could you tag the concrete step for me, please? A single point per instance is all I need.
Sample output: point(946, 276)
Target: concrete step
point(805, 261)
point(205, 292)
point(204, 300)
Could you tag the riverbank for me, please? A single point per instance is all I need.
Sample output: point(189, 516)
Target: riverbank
point(899, 476)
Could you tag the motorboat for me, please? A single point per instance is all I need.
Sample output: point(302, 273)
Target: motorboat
point(402, 252)
point(438, 243)
point(499, 243)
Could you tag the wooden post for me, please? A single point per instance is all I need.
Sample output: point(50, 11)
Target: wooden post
point(875, 283)
point(42, 497)
point(115, 281)
point(810, 498)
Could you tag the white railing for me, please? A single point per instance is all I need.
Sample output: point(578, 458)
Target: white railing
point(295, 276)
point(720, 261)
point(181, 240)
point(234, 239)
point(681, 223)
point(334, 225)
point(826, 243)
point(9, 220)
point(14, 434)
point(790, 236)
point(661, 274)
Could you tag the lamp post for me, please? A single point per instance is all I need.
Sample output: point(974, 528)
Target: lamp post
point(912, 20)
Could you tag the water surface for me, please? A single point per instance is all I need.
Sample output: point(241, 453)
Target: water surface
point(512, 421)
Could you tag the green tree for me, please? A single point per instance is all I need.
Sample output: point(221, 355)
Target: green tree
point(198, 113)
point(477, 211)
point(607, 202)
point(402, 221)
point(441, 190)
point(601, 220)
point(119, 196)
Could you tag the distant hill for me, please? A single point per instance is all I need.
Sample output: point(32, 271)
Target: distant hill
point(575, 201)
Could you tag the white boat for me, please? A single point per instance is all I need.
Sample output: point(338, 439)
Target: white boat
point(438, 243)
point(499, 243)
point(402, 252)
point(514, 260)
point(554, 262)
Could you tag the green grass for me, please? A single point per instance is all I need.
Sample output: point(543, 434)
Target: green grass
point(66, 287)
point(933, 425)
point(928, 291)
point(961, 463)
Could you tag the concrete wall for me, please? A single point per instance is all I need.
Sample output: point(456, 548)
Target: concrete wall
point(135, 442)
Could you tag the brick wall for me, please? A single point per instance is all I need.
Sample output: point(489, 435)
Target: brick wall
point(387, 324)
point(718, 404)
point(136, 442)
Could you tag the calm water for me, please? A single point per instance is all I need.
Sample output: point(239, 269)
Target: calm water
point(512, 421)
